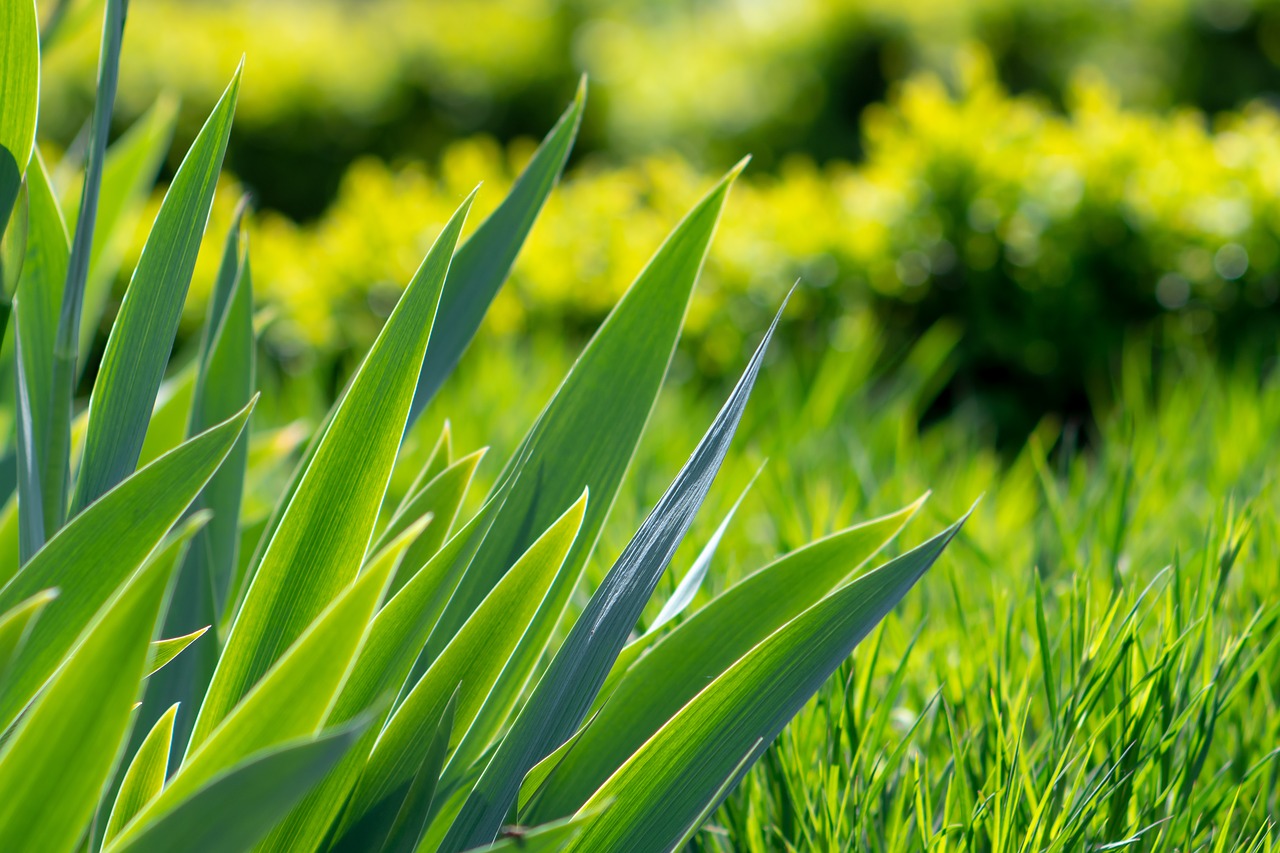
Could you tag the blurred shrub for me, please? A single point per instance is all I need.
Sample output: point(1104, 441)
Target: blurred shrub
point(332, 78)
point(1049, 237)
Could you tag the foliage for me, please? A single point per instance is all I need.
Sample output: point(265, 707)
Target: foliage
point(340, 671)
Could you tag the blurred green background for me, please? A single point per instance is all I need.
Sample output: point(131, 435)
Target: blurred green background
point(1039, 183)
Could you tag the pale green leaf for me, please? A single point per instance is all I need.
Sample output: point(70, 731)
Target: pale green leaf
point(15, 626)
point(233, 810)
point(323, 535)
point(145, 776)
point(42, 805)
point(163, 651)
point(92, 555)
point(19, 96)
point(475, 660)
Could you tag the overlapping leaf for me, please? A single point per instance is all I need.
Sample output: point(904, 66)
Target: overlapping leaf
point(322, 536)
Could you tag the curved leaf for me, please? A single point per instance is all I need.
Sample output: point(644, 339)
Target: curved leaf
point(680, 772)
point(89, 557)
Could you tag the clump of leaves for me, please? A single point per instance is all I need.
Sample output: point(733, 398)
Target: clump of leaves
point(364, 679)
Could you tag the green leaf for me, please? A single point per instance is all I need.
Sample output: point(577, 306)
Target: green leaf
point(679, 772)
point(548, 838)
point(37, 306)
point(42, 805)
point(163, 651)
point(15, 626)
point(395, 823)
point(19, 95)
point(222, 381)
point(92, 555)
point(441, 457)
point(588, 432)
point(66, 344)
point(395, 638)
point(236, 808)
point(485, 260)
point(565, 694)
point(440, 500)
point(291, 700)
point(680, 664)
point(142, 336)
point(688, 587)
point(169, 417)
point(322, 537)
point(128, 174)
point(476, 660)
point(145, 776)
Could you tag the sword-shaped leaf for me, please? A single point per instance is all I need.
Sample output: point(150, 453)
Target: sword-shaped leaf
point(680, 772)
point(138, 348)
point(93, 554)
point(566, 691)
point(323, 535)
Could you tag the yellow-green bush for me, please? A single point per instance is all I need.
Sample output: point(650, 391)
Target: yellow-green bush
point(774, 74)
point(1048, 236)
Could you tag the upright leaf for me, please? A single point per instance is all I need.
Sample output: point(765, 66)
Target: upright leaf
point(291, 701)
point(224, 380)
point(19, 96)
point(36, 328)
point(473, 662)
point(15, 626)
point(145, 776)
point(66, 343)
point(322, 538)
point(128, 174)
point(231, 812)
point(142, 336)
point(485, 260)
point(588, 432)
point(561, 700)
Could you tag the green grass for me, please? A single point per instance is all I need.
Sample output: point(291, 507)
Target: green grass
point(633, 629)
point(1094, 660)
